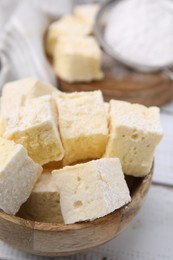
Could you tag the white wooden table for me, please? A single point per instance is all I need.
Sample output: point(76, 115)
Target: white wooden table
point(150, 236)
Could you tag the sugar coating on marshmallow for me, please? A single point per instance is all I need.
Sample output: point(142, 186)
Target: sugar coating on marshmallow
point(83, 125)
point(135, 132)
point(91, 190)
point(18, 175)
point(43, 204)
point(17, 93)
point(67, 25)
point(35, 126)
point(78, 59)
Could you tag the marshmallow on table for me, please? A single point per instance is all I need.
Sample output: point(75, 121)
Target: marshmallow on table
point(78, 59)
point(87, 13)
point(18, 175)
point(91, 190)
point(83, 125)
point(135, 131)
point(67, 25)
point(43, 204)
point(35, 126)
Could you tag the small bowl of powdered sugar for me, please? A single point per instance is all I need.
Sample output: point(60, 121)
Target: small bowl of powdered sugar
point(137, 33)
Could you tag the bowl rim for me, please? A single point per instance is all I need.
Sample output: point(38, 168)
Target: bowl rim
point(43, 226)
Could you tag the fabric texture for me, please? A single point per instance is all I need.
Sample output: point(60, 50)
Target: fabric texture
point(23, 26)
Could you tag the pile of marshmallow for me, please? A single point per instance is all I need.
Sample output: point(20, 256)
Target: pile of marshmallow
point(71, 44)
point(64, 156)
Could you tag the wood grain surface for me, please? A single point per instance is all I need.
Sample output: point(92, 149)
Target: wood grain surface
point(125, 84)
point(59, 239)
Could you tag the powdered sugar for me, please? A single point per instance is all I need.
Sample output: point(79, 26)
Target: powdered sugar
point(142, 31)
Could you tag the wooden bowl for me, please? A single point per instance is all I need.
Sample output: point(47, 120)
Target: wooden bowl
point(59, 239)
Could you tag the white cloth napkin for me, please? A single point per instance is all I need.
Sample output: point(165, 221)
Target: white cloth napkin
point(23, 25)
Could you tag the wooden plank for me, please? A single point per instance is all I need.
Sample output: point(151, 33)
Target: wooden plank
point(125, 84)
